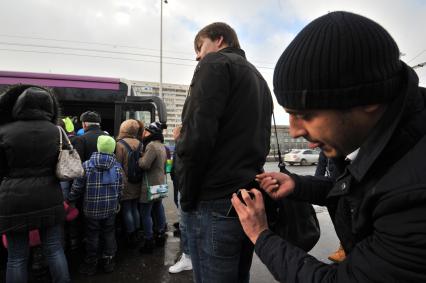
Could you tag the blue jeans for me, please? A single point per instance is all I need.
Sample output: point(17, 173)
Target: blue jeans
point(66, 187)
point(18, 252)
point(157, 209)
point(131, 217)
point(96, 228)
point(219, 249)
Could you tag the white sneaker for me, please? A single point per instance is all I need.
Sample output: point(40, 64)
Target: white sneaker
point(184, 263)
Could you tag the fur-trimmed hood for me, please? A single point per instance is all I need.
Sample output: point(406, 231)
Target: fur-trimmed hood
point(129, 129)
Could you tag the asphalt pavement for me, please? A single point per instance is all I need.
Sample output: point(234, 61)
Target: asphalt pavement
point(134, 267)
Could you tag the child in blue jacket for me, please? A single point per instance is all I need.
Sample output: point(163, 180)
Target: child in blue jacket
point(101, 186)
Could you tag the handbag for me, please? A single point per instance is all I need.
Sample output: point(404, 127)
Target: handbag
point(293, 220)
point(69, 164)
point(156, 191)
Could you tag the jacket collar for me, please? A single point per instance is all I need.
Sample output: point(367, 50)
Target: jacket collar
point(385, 128)
point(233, 50)
point(92, 128)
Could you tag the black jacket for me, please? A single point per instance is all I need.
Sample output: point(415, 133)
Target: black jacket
point(87, 143)
point(226, 127)
point(378, 205)
point(30, 194)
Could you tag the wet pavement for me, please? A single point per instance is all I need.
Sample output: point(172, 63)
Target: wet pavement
point(131, 266)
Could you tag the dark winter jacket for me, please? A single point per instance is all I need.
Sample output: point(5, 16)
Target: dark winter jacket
point(226, 127)
point(87, 143)
point(378, 205)
point(30, 194)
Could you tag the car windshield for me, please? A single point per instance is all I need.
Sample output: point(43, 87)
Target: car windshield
point(295, 151)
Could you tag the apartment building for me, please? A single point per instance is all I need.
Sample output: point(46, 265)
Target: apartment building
point(285, 141)
point(174, 96)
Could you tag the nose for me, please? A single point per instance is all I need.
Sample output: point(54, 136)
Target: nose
point(198, 56)
point(296, 127)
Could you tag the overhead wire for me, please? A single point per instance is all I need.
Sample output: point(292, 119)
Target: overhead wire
point(91, 56)
point(106, 51)
point(420, 53)
point(102, 57)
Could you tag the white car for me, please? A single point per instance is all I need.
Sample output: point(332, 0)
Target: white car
point(302, 157)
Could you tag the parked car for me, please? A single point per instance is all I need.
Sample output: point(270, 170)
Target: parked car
point(302, 157)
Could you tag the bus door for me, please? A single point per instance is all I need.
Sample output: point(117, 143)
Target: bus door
point(144, 108)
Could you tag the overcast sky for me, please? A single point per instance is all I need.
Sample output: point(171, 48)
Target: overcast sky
point(121, 38)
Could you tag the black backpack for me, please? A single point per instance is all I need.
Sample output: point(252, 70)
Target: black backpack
point(134, 172)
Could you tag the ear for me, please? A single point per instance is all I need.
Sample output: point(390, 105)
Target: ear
point(220, 43)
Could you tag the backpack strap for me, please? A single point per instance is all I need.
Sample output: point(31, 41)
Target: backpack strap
point(126, 145)
point(139, 147)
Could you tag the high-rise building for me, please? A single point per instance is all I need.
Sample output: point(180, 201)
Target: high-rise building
point(174, 96)
point(285, 141)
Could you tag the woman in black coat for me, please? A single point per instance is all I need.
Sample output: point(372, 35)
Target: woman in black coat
point(30, 194)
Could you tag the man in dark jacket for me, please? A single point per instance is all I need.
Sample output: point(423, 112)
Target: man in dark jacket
point(86, 144)
point(347, 91)
point(218, 152)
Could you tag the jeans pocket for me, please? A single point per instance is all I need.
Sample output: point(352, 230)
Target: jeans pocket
point(226, 235)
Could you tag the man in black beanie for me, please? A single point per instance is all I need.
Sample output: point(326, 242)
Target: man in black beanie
point(347, 92)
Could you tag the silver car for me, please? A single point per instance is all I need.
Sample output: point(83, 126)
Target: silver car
point(302, 157)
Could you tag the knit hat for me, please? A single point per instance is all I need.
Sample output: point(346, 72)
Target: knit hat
point(90, 116)
point(338, 61)
point(106, 144)
point(155, 128)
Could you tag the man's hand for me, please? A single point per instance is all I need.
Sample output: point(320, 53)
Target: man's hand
point(277, 185)
point(252, 214)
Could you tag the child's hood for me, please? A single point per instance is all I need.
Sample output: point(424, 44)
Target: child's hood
point(102, 160)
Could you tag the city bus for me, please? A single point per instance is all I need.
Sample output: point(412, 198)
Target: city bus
point(113, 98)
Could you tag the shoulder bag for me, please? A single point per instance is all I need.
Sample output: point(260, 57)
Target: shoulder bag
point(69, 164)
point(156, 191)
point(295, 221)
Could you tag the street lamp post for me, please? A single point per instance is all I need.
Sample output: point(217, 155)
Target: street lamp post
point(161, 50)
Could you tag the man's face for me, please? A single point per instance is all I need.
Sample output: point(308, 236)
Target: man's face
point(146, 134)
point(336, 132)
point(205, 46)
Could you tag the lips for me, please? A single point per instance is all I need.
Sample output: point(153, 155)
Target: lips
point(313, 145)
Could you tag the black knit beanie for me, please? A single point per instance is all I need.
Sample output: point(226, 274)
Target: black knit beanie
point(338, 61)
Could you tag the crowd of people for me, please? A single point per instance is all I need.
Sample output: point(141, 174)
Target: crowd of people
point(33, 199)
point(346, 91)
